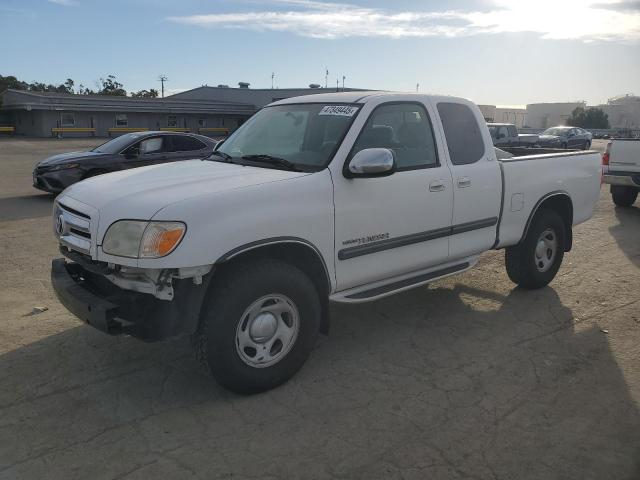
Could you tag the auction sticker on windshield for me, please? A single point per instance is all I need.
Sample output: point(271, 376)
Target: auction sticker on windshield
point(340, 110)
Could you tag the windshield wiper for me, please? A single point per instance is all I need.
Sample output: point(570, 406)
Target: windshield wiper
point(280, 162)
point(225, 156)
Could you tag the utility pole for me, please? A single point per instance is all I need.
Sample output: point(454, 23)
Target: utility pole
point(273, 75)
point(417, 87)
point(337, 84)
point(326, 77)
point(162, 79)
point(343, 78)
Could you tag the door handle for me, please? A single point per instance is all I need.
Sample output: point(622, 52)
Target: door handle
point(436, 186)
point(464, 182)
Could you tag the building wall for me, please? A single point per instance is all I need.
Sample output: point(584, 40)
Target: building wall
point(38, 123)
point(492, 114)
point(623, 112)
point(545, 115)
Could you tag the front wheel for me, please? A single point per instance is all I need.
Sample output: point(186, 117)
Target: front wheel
point(623, 196)
point(259, 325)
point(535, 261)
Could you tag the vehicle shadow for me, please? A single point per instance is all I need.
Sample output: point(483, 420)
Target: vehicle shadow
point(627, 231)
point(25, 207)
point(446, 381)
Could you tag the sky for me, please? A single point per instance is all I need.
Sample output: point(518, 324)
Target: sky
point(500, 52)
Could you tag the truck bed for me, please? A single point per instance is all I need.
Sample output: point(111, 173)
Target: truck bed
point(528, 179)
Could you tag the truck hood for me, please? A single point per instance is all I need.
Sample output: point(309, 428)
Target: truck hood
point(68, 157)
point(139, 193)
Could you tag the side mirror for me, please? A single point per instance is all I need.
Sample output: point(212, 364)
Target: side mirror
point(372, 162)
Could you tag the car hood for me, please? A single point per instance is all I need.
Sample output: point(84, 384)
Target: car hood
point(68, 157)
point(139, 193)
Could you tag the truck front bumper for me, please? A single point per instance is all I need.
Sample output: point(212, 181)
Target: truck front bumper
point(112, 310)
point(624, 179)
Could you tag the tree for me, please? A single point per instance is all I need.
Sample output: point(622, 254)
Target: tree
point(152, 93)
point(589, 118)
point(110, 86)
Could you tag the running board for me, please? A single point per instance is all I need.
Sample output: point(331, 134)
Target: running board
point(380, 291)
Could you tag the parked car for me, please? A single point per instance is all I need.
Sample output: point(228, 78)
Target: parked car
point(131, 150)
point(343, 197)
point(566, 137)
point(506, 135)
point(621, 169)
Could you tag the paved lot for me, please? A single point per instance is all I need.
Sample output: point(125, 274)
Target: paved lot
point(467, 378)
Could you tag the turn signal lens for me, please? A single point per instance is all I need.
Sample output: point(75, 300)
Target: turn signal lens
point(161, 238)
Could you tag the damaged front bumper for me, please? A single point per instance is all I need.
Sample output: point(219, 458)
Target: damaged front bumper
point(96, 300)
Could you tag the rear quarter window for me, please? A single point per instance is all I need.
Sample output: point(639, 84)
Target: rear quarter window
point(463, 134)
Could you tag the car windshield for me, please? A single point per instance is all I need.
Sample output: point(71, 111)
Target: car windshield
point(304, 135)
point(118, 144)
point(556, 131)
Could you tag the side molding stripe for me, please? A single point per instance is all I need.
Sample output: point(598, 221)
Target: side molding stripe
point(360, 250)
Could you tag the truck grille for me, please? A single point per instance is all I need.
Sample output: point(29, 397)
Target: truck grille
point(72, 228)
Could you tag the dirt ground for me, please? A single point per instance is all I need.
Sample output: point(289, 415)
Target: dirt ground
point(468, 378)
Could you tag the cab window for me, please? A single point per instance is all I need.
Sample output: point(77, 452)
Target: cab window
point(404, 128)
point(463, 134)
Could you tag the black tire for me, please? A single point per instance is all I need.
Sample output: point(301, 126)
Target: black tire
point(623, 196)
point(521, 261)
point(231, 294)
point(587, 145)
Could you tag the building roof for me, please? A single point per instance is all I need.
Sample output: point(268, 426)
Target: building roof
point(27, 100)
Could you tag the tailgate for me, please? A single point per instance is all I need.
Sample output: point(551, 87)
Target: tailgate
point(624, 155)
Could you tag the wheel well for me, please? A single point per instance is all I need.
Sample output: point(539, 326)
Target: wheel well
point(560, 203)
point(302, 256)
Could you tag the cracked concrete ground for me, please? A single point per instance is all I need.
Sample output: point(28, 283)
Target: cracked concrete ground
point(468, 378)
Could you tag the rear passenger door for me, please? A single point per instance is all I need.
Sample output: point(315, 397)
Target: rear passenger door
point(184, 147)
point(477, 181)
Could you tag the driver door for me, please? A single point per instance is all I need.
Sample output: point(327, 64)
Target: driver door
point(391, 225)
point(150, 151)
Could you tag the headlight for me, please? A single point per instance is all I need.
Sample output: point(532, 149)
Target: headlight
point(139, 239)
point(64, 166)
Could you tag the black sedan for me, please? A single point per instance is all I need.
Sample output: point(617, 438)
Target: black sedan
point(565, 137)
point(56, 173)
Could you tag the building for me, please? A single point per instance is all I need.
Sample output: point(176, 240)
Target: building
point(208, 110)
point(259, 97)
point(545, 115)
point(623, 112)
point(504, 114)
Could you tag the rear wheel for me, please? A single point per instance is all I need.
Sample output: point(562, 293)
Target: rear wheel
point(587, 145)
point(259, 326)
point(535, 261)
point(623, 196)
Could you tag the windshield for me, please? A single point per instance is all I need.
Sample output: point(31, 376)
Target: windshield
point(556, 131)
point(117, 144)
point(306, 135)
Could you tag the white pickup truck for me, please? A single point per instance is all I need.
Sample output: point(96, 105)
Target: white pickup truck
point(621, 168)
point(345, 197)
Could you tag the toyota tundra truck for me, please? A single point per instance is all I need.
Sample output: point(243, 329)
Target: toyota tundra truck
point(621, 169)
point(345, 197)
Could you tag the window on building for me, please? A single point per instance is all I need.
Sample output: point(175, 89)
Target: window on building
point(202, 122)
point(67, 120)
point(464, 138)
point(172, 121)
point(121, 120)
point(404, 128)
